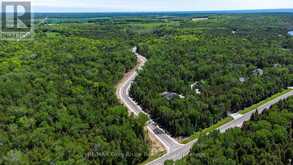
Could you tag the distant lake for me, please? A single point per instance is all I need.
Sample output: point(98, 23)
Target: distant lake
point(290, 33)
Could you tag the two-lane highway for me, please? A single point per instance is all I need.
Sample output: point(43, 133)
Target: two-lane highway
point(246, 117)
point(175, 150)
point(184, 150)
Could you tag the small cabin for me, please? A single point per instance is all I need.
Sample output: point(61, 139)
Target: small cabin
point(171, 95)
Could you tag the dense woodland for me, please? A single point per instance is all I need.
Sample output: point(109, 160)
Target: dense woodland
point(58, 103)
point(57, 100)
point(233, 62)
point(265, 140)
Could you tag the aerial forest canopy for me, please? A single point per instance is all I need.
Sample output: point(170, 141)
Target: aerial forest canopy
point(200, 71)
point(57, 101)
point(264, 140)
point(57, 95)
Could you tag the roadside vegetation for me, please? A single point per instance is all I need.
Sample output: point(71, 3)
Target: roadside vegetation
point(255, 106)
point(212, 128)
point(219, 66)
point(266, 139)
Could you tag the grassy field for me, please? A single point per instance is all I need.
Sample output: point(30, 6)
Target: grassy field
point(149, 27)
point(207, 130)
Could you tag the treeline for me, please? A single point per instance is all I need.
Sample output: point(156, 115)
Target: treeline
point(58, 106)
point(229, 70)
point(265, 140)
point(108, 31)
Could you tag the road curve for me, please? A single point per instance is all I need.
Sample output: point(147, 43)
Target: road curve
point(122, 93)
point(175, 150)
point(174, 155)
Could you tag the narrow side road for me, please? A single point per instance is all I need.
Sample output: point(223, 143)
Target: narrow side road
point(122, 93)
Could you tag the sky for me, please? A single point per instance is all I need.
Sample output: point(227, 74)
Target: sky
point(155, 5)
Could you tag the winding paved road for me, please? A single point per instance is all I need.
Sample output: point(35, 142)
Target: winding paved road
point(175, 150)
point(122, 93)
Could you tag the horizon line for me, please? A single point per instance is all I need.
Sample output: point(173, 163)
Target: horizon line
point(278, 10)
